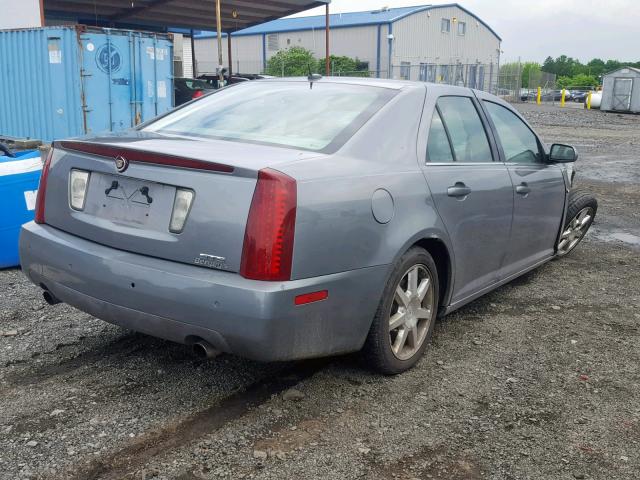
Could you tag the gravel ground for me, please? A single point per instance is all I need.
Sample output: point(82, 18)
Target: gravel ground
point(537, 380)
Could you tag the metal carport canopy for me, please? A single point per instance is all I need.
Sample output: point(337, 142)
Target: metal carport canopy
point(190, 14)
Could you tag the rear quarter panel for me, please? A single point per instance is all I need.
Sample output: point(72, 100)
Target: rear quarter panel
point(335, 227)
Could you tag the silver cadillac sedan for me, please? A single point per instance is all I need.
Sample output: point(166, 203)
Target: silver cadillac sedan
point(287, 219)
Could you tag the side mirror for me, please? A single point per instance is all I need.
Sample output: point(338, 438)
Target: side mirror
point(560, 153)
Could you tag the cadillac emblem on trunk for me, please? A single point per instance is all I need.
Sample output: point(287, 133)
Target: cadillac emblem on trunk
point(121, 163)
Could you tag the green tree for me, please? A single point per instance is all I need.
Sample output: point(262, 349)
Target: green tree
point(580, 80)
point(342, 65)
point(563, 66)
point(549, 65)
point(571, 72)
point(596, 67)
point(510, 68)
point(292, 62)
point(612, 65)
point(529, 68)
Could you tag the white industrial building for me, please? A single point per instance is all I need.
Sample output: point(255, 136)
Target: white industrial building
point(439, 43)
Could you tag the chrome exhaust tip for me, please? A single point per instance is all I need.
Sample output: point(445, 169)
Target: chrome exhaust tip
point(205, 350)
point(50, 298)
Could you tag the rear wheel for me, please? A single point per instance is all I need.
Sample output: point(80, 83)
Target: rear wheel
point(406, 315)
point(580, 214)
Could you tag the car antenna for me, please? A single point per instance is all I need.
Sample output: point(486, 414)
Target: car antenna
point(312, 77)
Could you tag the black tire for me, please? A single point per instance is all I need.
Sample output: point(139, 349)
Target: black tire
point(579, 201)
point(378, 349)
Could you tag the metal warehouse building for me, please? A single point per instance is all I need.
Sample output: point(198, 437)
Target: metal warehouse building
point(438, 43)
point(621, 90)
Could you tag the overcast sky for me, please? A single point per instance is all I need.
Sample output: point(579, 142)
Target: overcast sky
point(532, 30)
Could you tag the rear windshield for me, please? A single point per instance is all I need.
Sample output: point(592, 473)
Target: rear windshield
point(196, 84)
point(289, 114)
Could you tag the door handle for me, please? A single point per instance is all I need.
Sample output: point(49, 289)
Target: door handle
point(523, 189)
point(458, 190)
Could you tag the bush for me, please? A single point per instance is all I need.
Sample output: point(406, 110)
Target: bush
point(292, 62)
point(580, 80)
point(298, 61)
point(346, 66)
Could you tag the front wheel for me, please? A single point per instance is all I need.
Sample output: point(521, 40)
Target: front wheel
point(406, 314)
point(580, 214)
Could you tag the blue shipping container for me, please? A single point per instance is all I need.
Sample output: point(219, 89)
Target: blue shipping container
point(59, 82)
point(19, 178)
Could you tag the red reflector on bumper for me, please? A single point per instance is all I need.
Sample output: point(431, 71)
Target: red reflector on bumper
point(311, 297)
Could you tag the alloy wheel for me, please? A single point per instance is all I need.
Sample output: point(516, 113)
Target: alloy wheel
point(411, 312)
point(575, 230)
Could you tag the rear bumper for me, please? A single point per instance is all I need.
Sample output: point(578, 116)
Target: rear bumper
point(183, 303)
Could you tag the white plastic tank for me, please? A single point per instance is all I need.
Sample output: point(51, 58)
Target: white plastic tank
point(596, 99)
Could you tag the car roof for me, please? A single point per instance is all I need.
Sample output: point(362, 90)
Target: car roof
point(377, 82)
point(364, 81)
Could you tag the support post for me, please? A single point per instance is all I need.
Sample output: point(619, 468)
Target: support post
point(588, 104)
point(327, 65)
point(539, 97)
point(42, 13)
point(194, 70)
point(229, 53)
point(219, 38)
point(564, 93)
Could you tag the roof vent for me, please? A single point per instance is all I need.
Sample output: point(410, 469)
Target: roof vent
point(383, 9)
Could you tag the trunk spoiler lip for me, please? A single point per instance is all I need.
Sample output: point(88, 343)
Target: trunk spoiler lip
point(134, 155)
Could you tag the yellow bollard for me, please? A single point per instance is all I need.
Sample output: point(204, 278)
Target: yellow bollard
point(564, 92)
point(589, 101)
point(539, 99)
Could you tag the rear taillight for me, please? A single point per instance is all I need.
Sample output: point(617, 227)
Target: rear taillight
point(42, 189)
point(267, 253)
point(197, 94)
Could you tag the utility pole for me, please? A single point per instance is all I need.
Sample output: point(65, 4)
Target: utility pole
point(194, 69)
point(219, 35)
point(327, 65)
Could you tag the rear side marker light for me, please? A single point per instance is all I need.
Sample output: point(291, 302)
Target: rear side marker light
point(42, 189)
point(267, 253)
point(311, 297)
point(78, 183)
point(181, 206)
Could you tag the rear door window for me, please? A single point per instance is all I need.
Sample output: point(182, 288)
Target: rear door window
point(438, 147)
point(466, 131)
point(519, 143)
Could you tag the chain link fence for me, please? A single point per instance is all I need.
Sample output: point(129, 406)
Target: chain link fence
point(506, 82)
point(551, 91)
point(486, 77)
point(248, 67)
point(546, 82)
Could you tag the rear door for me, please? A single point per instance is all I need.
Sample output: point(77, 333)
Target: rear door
point(107, 81)
point(472, 193)
point(539, 188)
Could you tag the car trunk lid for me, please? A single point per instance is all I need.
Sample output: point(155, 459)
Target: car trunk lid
point(132, 188)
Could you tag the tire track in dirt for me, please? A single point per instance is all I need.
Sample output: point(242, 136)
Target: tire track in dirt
point(123, 346)
point(122, 463)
